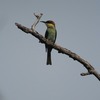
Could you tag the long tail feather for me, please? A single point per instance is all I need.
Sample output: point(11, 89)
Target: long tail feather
point(49, 62)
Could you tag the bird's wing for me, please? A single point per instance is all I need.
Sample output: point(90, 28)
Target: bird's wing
point(46, 34)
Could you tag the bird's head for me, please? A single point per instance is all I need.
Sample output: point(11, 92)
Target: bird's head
point(49, 23)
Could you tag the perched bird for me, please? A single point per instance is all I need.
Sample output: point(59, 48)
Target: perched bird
point(50, 34)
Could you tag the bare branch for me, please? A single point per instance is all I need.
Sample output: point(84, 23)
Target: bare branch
point(74, 56)
point(36, 21)
point(84, 74)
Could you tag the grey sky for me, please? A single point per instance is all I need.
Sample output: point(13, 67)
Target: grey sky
point(24, 74)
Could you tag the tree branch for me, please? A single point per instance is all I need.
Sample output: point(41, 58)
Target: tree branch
point(91, 70)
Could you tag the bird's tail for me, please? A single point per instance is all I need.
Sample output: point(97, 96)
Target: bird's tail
point(49, 62)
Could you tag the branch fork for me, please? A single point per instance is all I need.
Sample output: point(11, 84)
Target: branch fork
point(38, 17)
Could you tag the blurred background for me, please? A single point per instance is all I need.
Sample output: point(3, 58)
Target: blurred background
point(24, 74)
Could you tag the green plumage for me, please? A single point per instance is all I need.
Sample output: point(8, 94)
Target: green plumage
point(51, 35)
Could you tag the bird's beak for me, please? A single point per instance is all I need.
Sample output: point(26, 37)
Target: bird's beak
point(43, 21)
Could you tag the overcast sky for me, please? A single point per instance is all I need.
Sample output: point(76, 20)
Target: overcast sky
point(24, 74)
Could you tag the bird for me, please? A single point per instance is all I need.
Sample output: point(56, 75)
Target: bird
point(50, 34)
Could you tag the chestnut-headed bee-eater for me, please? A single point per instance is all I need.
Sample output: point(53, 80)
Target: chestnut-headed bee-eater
point(50, 34)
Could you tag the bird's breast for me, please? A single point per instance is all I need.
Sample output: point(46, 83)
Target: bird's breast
point(51, 34)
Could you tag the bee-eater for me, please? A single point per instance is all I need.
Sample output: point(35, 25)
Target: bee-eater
point(51, 35)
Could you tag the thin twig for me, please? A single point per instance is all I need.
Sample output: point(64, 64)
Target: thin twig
point(38, 17)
